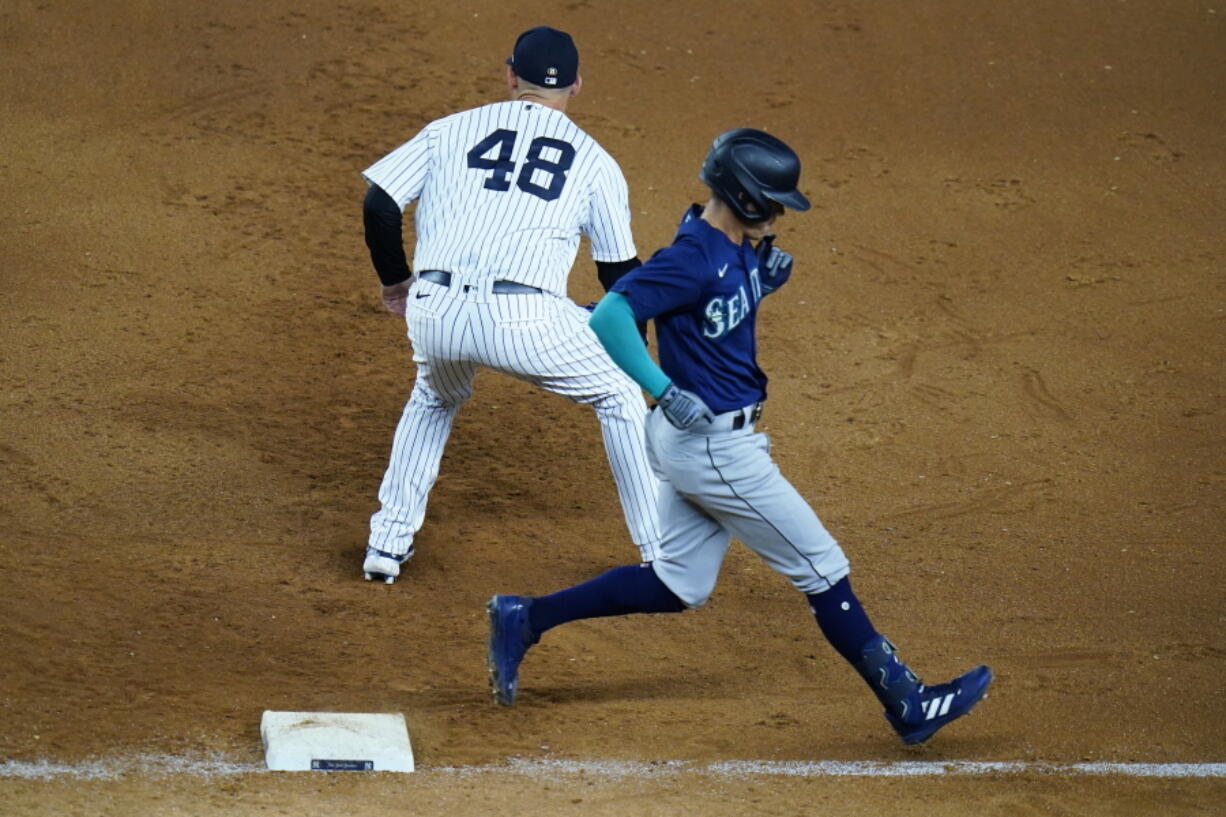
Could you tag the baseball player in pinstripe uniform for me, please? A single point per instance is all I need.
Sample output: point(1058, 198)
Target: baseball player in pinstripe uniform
point(718, 480)
point(503, 193)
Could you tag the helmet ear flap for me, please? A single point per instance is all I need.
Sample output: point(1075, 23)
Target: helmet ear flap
point(721, 176)
point(749, 205)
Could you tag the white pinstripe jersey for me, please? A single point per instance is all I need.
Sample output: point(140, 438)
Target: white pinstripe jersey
point(504, 192)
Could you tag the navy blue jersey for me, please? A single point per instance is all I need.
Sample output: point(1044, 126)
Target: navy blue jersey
point(703, 292)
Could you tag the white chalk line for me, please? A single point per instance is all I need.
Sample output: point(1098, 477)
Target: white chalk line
point(208, 766)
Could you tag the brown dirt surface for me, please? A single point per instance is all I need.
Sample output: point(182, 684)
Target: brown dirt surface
point(997, 374)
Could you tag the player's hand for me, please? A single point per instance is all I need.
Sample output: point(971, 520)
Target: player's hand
point(774, 265)
point(683, 408)
point(394, 298)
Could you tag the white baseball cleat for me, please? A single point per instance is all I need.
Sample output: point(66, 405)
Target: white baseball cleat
point(380, 564)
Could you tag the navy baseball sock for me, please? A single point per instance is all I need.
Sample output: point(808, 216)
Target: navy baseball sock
point(843, 620)
point(617, 592)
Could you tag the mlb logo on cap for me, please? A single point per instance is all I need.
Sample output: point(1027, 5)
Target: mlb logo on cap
point(545, 56)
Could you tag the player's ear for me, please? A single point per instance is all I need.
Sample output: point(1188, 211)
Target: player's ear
point(576, 86)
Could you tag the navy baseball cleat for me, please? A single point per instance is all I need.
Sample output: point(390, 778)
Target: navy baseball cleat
point(380, 564)
point(510, 637)
point(916, 711)
point(927, 709)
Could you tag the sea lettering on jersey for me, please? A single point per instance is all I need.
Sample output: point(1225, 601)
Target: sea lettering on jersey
point(505, 191)
point(722, 313)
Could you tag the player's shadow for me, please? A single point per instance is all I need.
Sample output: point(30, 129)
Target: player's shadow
point(629, 689)
point(646, 688)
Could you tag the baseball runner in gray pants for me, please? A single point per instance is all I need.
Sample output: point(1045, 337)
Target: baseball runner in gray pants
point(717, 478)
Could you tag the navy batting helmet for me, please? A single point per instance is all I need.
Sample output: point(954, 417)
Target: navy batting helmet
point(753, 173)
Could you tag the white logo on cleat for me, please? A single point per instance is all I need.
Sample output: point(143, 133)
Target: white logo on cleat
point(937, 706)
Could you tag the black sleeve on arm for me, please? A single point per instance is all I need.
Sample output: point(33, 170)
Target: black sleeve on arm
point(382, 219)
point(609, 271)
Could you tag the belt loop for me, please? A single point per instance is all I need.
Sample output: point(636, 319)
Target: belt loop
point(747, 416)
point(435, 276)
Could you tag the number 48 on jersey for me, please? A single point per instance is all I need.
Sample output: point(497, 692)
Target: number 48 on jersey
point(493, 153)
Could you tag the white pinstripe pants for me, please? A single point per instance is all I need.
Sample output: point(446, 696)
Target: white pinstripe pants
point(540, 338)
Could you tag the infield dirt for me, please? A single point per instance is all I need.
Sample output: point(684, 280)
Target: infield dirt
point(997, 374)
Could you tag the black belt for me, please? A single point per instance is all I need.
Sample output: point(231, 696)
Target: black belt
point(748, 416)
point(442, 278)
point(725, 421)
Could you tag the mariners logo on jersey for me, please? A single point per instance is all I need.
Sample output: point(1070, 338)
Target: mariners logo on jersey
point(723, 313)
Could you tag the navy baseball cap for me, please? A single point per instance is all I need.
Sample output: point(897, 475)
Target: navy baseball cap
point(545, 56)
